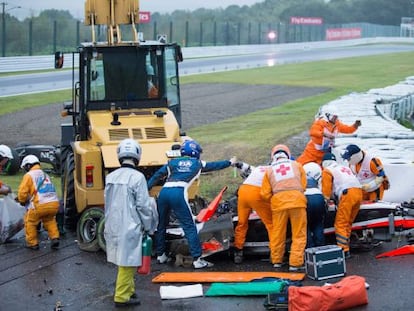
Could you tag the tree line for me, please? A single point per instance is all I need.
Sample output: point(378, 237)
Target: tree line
point(54, 30)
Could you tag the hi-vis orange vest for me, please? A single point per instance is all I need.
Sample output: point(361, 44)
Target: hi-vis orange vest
point(284, 175)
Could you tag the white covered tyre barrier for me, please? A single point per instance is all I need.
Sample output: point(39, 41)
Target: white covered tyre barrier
point(381, 134)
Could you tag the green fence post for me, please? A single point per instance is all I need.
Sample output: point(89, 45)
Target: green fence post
point(77, 33)
point(201, 34)
point(54, 36)
point(238, 33)
point(260, 33)
point(186, 33)
point(154, 35)
point(31, 37)
point(171, 31)
point(215, 33)
point(249, 33)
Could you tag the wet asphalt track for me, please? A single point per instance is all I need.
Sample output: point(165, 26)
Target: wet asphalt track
point(37, 280)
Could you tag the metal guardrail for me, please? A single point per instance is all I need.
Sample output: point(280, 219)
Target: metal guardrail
point(27, 63)
point(46, 62)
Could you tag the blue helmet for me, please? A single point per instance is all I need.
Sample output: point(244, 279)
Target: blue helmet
point(191, 148)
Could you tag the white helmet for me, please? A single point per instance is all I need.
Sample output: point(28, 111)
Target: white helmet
point(29, 160)
point(330, 112)
point(129, 149)
point(5, 152)
point(279, 151)
point(313, 170)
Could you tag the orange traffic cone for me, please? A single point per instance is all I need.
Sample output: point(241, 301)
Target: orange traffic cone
point(206, 213)
point(403, 250)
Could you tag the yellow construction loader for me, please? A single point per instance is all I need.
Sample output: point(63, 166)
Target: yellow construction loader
point(121, 89)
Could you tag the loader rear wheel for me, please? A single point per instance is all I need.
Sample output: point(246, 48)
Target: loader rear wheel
point(61, 157)
point(87, 229)
point(101, 236)
point(68, 191)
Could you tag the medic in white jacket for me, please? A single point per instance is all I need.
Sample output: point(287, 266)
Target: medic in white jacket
point(369, 171)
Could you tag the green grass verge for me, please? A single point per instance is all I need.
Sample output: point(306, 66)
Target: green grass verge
point(16, 103)
point(251, 136)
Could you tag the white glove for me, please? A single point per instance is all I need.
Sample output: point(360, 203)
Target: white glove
point(233, 161)
point(5, 190)
point(244, 168)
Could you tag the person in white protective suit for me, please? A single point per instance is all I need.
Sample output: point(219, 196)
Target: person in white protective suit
point(129, 212)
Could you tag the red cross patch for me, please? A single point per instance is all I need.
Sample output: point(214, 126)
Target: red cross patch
point(282, 169)
point(346, 170)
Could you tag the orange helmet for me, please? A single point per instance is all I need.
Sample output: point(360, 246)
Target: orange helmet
point(280, 149)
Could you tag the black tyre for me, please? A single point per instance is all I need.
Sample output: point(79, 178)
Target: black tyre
point(197, 204)
point(23, 144)
point(68, 192)
point(101, 236)
point(87, 229)
point(61, 156)
point(14, 165)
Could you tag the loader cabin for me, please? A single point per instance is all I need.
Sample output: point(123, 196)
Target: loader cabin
point(116, 74)
point(124, 77)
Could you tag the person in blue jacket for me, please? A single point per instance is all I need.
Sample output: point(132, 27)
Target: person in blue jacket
point(316, 205)
point(180, 173)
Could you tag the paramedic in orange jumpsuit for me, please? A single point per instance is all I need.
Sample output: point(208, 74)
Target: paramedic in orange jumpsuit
point(38, 194)
point(322, 136)
point(5, 157)
point(284, 185)
point(340, 183)
point(369, 171)
point(249, 199)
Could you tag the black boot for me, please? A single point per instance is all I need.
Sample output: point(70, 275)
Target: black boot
point(60, 219)
point(238, 256)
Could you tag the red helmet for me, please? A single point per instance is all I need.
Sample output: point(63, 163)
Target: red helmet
point(280, 149)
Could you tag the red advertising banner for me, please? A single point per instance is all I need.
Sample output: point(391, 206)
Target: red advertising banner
point(306, 20)
point(343, 33)
point(144, 17)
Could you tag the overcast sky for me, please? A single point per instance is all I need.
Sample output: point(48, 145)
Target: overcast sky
point(34, 7)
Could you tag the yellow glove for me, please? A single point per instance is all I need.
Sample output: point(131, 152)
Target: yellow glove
point(379, 180)
point(365, 187)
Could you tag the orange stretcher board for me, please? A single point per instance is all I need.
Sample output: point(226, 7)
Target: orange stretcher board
point(213, 277)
